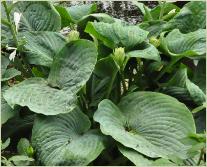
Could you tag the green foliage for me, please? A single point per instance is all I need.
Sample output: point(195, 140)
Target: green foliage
point(84, 88)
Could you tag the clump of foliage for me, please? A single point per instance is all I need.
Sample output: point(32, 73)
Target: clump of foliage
point(84, 88)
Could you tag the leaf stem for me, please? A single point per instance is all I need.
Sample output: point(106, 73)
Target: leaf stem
point(11, 26)
point(111, 85)
point(162, 9)
point(200, 158)
point(175, 60)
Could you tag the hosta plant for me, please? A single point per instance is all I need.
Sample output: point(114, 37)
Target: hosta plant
point(79, 87)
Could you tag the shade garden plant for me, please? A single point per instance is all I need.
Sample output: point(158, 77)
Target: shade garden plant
point(79, 87)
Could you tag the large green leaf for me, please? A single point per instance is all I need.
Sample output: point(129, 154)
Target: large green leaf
point(146, 51)
point(38, 16)
point(150, 123)
point(116, 34)
point(66, 139)
point(70, 70)
point(75, 13)
point(140, 160)
point(43, 46)
point(190, 18)
point(178, 44)
point(39, 97)
point(73, 65)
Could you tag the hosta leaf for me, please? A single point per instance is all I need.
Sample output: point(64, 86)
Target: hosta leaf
point(38, 16)
point(178, 44)
point(10, 73)
point(75, 13)
point(139, 160)
point(22, 146)
point(66, 139)
point(148, 122)
point(195, 92)
point(21, 160)
point(146, 51)
point(182, 83)
point(190, 18)
point(73, 65)
point(71, 69)
point(43, 46)
point(39, 97)
point(6, 111)
point(116, 34)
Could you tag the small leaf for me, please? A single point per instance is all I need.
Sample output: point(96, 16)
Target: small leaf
point(5, 144)
point(22, 146)
point(10, 73)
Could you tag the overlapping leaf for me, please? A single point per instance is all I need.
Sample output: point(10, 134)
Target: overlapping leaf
point(75, 13)
point(146, 51)
point(140, 160)
point(66, 139)
point(182, 88)
point(178, 44)
point(38, 16)
point(71, 69)
point(190, 18)
point(148, 122)
point(43, 46)
point(116, 34)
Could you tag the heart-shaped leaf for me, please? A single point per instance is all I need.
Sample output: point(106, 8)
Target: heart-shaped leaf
point(38, 16)
point(43, 46)
point(70, 71)
point(148, 122)
point(65, 139)
point(73, 65)
point(10, 73)
point(39, 97)
point(116, 34)
point(178, 44)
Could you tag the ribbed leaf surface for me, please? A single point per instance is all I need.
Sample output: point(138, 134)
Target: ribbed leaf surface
point(116, 34)
point(65, 139)
point(39, 97)
point(43, 46)
point(150, 123)
point(146, 51)
point(191, 17)
point(178, 44)
point(73, 65)
point(38, 16)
